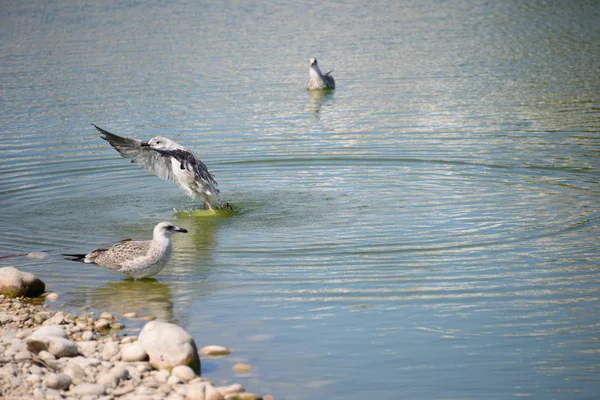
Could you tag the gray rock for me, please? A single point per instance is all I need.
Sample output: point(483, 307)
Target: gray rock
point(58, 381)
point(133, 352)
point(184, 373)
point(46, 356)
point(22, 356)
point(120, 372)
point(162, 376)
point(87, 348)
point(15, 283)
point(34, 379)
point(169, 345)
point(61, 347)
point(49, 331)
point(102, 324)
point(88, 389)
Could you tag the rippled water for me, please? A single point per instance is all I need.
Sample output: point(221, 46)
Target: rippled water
point(428, 230)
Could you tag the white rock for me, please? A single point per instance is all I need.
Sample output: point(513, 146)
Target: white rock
point(75, 371)
point(15, 283)
point(85, 363)
point(61, 347)
point(183, 372)
point(88, 389)
point(107, 379)
point(110, 349)
point(58, 381)
point(87, 336)
point(46, 356)
point(133, 352)
point(162, 376)
point(49, 331)
point(33, 379)
point(56, 319)
point(52, 296)
point(202, 391)
point(128, 339)
point(87, 347)
point(120, 372)
point(37, 255)
point(145, 367)
point(215, 351)
point(236, 388)
point(174, 380)
point(168, 345)
point(22, 356)
point(102, 324)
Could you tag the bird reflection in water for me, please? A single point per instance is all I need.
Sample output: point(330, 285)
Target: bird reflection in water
point(316, 100)
point(145, 297)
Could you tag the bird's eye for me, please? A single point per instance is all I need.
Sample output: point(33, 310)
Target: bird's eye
point(158, 142)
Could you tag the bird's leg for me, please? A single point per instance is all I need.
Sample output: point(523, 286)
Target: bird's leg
point(208, 208)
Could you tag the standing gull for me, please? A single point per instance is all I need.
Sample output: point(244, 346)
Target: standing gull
point(136, 259)
point(170, 161)
point(316, 79)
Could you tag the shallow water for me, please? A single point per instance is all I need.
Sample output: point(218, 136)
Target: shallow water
point(427, 230)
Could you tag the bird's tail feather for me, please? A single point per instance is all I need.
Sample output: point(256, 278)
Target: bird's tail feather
point(75, 257)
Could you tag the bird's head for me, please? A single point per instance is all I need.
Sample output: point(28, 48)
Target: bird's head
point(312, 61)
point(161, 143)
point(166, 229)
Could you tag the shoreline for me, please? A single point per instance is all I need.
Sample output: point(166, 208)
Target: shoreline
point(46, 353)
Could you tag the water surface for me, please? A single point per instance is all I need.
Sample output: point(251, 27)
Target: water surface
point(427, 230)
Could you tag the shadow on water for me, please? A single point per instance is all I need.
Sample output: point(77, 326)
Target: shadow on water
point(318, 98)
point(146, 297)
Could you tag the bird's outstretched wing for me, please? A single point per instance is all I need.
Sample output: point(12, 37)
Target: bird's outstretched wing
point(189, 161)
point(146, 157)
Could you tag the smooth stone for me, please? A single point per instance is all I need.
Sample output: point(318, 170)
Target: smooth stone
point(87, 336)
point(61, 347)
point(85, 362)
point(58, 381)
point(164, 388)
point(102, 324)
point(15, 283)
point(107, 379)
point(202, 391)
point(128, 339)
point(49, 331)
point(130, 315)
point(148, 318)
point(46, 356)
point(52, 296)
point(23, 334)
point(242, 396)
point(106, 315)
point(215, 351)
point(22, 356)
point(88, 389)
point(133, 352)
point(151, 383)
point(241, 367)
point(162, 376)
point(120, 372)
point(37, 255)
point(75, 371)
point(183, 372)
point(110, 349)
point(33, 379)
point(169, 345)
point(174, 380)
point(145, 367)
point(56, 319)
point(87, 347)
point(117, 326)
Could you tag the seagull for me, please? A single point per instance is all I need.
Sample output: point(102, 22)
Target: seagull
point(136, 259)
point(316, 79)
point(170, 161)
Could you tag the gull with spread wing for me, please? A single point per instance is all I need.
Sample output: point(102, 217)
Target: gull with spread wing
point(170, 161)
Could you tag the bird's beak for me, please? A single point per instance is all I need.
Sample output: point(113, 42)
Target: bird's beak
point(145, 144)
point(182, 230)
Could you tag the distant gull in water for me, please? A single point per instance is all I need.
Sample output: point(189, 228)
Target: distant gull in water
point(136, 259)
point(316, 79)
point(172, 162)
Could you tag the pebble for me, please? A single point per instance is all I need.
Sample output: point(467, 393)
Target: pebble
point(130, 315)
point(133, 352)
point(75, 371)
point(62, 347)
point(88, 389)
point(184, 373)
point(58, 381)
point(215, 351)
point(53, 296)
point(102, 324)
point(73, 365)
point(241, 368)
